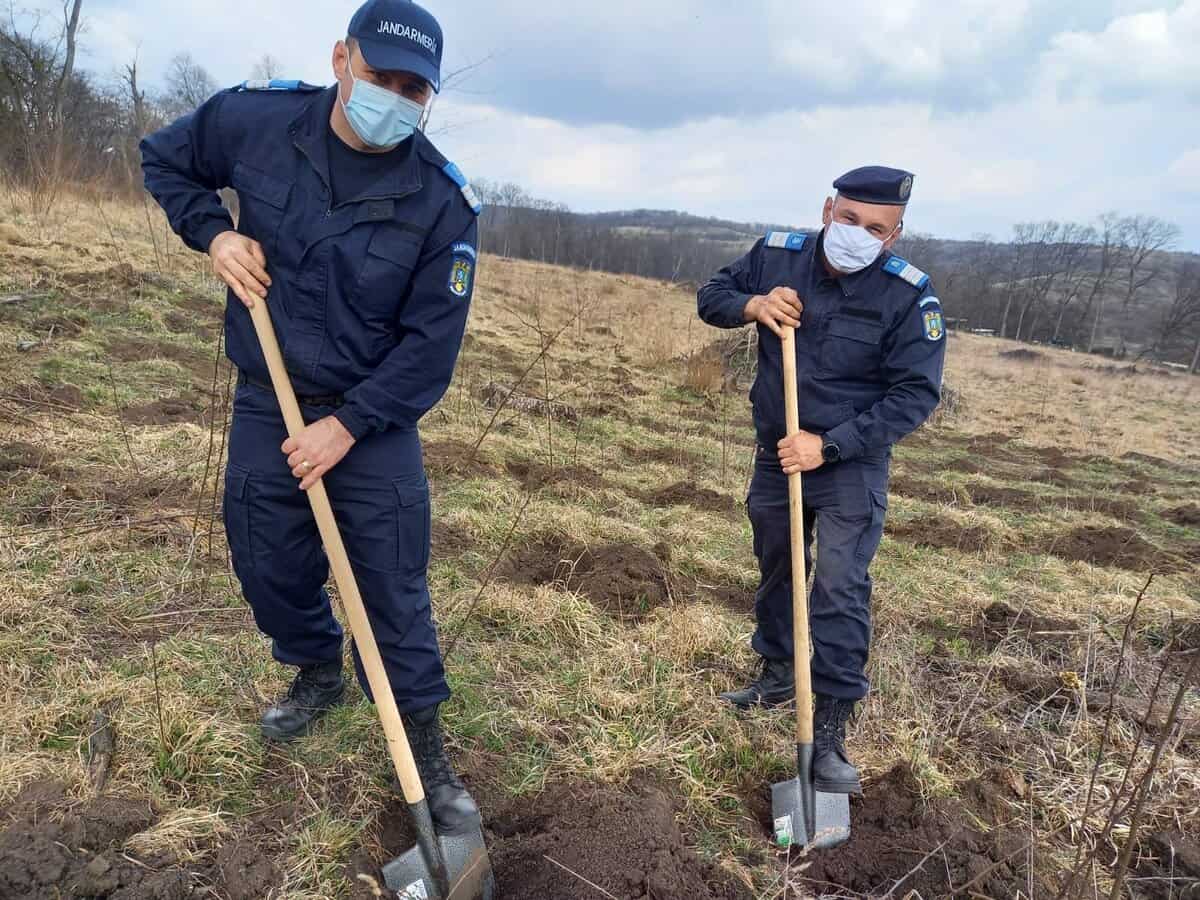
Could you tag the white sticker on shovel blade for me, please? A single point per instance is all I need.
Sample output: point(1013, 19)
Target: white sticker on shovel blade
point(415, 891)
point(783, 831)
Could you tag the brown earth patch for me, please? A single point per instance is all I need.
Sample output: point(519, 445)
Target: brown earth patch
point(626, 842)
point(448, 541)
point(1021, 353)
point(1000, 620)
point(1187, 515)
point(139, 349)
point(63, 397)
point(1160, 463)
point(1168, 867)
point(623, 579)
point(686, 494)
point(534, 475)
point(81, 855)
point(921, 489)
point(179, 323)
point(456, 458)
point(895, 838)
point(168, 411)
point(244, 872)
point(1112, 546)
point(671, 456)
point(19, 456)
point(941, 534)
point(122, 275)
point(62, 325)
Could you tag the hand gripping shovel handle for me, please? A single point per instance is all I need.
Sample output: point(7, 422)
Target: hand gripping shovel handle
point(800, 636)
point(360, 625)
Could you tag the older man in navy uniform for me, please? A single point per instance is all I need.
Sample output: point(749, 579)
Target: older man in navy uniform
point(870, 344)
point(361, 238)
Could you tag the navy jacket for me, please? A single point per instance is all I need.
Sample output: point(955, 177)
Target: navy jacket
point(869, 350)
point(370, 297)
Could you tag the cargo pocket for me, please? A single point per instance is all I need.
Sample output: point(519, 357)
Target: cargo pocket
point(868, 541)
point(236, 512)
point(262, 199)
point(412, 523)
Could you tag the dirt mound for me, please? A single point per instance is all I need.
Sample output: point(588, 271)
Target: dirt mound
point(621, 578)
point(1000, 621)
point(1020, 354)
point(626, 843)
point(456, 458)
point(534, 475)
point(63, 397)
point(169, 411)
point(1116, 547)
point(671, 456)
point(1160, 463)
point(448, 541)
point(921, 489)
point(19, 456)
point(895, 839)
point(139, 349)
point(685, 494)
point(1009, 498)
point(122, 275)
point(1188, 514)
point(941, 534)
point(245, 872)
point(1168, 867)
point(82, 856)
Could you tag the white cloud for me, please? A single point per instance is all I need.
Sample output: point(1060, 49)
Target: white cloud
point(1184, 172)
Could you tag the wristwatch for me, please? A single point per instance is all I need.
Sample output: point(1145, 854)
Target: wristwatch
point(830, 452)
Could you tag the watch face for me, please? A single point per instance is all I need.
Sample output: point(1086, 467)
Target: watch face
point(831, 452)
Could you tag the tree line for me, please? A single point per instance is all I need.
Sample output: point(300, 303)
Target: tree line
point(1111, 286)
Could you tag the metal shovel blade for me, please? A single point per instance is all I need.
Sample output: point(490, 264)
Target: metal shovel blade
point(468, 868)
point(831, 814)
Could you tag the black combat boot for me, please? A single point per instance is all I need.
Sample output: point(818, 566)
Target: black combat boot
point(833, 773)
point(314, 691)
point(774, 686)
point(451, 806)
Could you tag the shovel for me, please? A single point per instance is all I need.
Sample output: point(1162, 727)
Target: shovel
point(802, 815)
point(439, 867)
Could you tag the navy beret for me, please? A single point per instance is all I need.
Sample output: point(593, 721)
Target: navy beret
point(876, 184)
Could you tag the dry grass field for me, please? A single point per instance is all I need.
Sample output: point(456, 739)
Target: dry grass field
point(1012, 680)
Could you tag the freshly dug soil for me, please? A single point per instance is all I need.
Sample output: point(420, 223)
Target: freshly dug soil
point(671, 456)
point(940, 534)
point(625, 842)
point(1020, 354)
point(49, 849)
point(1188, 514)
point(20, 456)
point(534, 475)
point(1169, 867)
point(65, 397)
point(892, 830)
point(686, 494)
point(169, 411)
point(621, 578)
point(1000, 621)
point(1101, 545)
point(455, 458)
point(80, 856)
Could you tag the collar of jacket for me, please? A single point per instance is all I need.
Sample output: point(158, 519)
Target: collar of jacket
point(308, 132)
point(852, 282)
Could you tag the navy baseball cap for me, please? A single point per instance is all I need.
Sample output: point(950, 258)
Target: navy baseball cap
point(875, 184)
point(398, 35)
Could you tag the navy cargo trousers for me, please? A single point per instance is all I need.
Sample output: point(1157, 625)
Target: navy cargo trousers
point(844, 504)
point(380, 498)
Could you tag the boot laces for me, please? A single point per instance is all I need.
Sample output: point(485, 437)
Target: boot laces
point(305, 688)
point(831, 726)
point(431, 757)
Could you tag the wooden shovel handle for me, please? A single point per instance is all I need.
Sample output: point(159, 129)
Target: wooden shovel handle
point(800, 636)
point(343, 575)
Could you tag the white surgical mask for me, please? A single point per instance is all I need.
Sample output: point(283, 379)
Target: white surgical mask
point(382, 118)
point(851, 248)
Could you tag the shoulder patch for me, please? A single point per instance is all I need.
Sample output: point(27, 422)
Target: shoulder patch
point(454, 173)
point(785, 240)
point(932, 323)
point(906, 271)
point(277, 84)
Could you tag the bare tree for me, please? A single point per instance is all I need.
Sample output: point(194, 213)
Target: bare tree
point(188, 85)
point(1144, 236)
point(1179, 326)
point(1112, 250)
point(266, 68)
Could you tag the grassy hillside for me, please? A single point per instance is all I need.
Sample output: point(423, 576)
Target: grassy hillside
point(611, 523)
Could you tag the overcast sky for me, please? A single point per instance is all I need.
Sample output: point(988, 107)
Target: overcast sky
point(1006, 111)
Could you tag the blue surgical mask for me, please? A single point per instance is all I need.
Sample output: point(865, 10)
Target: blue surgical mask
point(380, 117)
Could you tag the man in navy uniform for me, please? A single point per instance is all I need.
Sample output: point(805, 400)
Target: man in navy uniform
point(361, 238)
point(870, 343)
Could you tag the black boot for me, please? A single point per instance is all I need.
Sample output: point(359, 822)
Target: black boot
point(833, 773)
point(313, 692)
point(774, 686)
point(451, 806)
